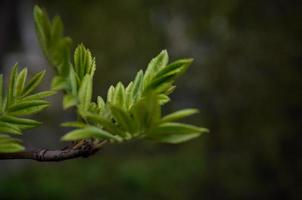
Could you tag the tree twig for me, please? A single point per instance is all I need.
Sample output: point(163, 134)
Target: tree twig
point(84, 148)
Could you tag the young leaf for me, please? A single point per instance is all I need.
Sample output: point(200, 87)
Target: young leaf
point(89, 132)
point(39, 95)
point(177, 67)
point(83, 61)
point(59, 55)
point(119, 95)
point(55, 46)
point(27, 107)
point(72, 80)
point(59, 83)
point(12, 84)
point(156, 64)
point(163, 99)
point(110, 94)
point(57, 29)
point(170, 90)
point(20, 122)
point(146, 112)
point(103, 122)
point(85, 92)
point(178, 115)
point(4, 139)
point(74, 124)
point(20, 82)
point(162, 81)
point(138, 84)
point(160, 84)
point(42, 28)
point(128, 95)
point(100, 103)
point(1, 94)
point(176, 138)
point(176, 132)
point(69, 101)
point(8, 128)
point(123, 119)
point(33, 83)
point(11, 147)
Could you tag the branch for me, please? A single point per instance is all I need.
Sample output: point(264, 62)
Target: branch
point(84, 148)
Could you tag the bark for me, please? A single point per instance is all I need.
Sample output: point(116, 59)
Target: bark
point(84, 148)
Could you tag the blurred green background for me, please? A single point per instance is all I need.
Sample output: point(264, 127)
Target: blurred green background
point(246, 81)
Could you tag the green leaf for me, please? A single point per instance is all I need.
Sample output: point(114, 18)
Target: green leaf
point(170, 90)
point(129, 87)
point(162, 81)
point(55, 46)
point(93, 107)
point(39, 95)
point(1, 94)
point(74, 124)
point(57, 29)
point(4, 139)
point(137, 87)
point(12, 84)
point(177, 67)
point(90, 132)
point(8, 128)
point(20, 82)
point(176, 138)
point(146, 112)
point(59, 83)
point(163, 99)
point(156, 64)
point(85, 92)
point(179, 115)
point(119, 95)
point(83, 61)
point(160, 84)
point(33, 83)
point(128, 95)
point(110, 94)
point(69, 101)
point(176, 132)
point(11, 147)
point(42, 27)
point(100, 103)
point(21, 123)
point(27, 107)
point(59, 55)
point(20, 104)
point(123, 119)
point(103, 122)
point(72, 80)
point(177, 127)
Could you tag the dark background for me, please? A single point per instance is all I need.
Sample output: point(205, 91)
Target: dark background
point(246, 81)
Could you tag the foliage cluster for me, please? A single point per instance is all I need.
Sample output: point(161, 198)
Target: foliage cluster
point(130, 111)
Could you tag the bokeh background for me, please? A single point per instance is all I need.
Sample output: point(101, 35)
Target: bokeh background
point(246, 81)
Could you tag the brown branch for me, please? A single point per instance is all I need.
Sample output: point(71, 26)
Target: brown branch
point(84, 148)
